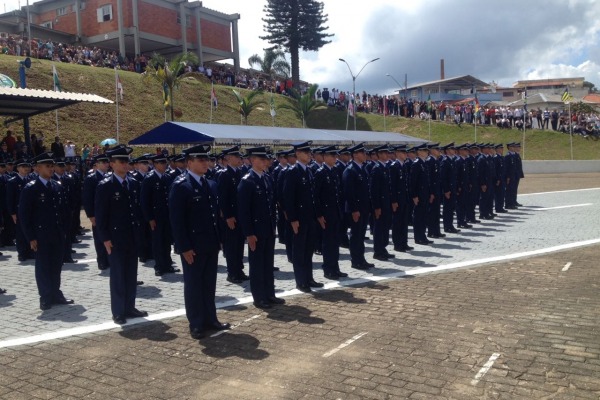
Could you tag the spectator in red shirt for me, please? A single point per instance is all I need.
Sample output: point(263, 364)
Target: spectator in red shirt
point(10, 140)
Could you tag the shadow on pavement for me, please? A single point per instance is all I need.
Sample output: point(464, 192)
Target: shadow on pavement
point(289, 313)
point(156, 331)
point(6, 300)
point(148, 292)
point(239, 345)
point(336, 296)
point(65, 313)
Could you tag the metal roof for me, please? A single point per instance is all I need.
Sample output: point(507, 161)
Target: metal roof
point(458, 82)
point(181, 133)
point(23, 103)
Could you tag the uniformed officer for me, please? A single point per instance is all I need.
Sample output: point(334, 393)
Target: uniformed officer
point(463, 186)
point(68, 187)
point(118, 216)
point(329, 212)
point(154, 200)
point(448, 181)
point(432, 163)
point(420, 193)
point(355, 182)
point(7, 234)
point(399, 194)
point(42, 221)
point(75, 174)
point(228, 180)
point(288, 233)
point(281, 222)
point(141, 168)
point(381, 203)
point(344, 157)
point(256, 211)
point(179, 166)
point(14, 186)
point(500, 189)
point(514, 173)
point(474, 150)
point(193, 209)
point(299, 206)
point(486, 172)
point(89, 205)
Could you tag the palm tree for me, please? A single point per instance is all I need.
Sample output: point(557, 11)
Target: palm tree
point(303, 105)
point(272, 63)
point(169, 74)
point(248, 104)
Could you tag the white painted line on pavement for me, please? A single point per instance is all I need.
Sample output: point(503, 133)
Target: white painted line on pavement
point(345, 344)
point(566, 267)
point(558, 191)
point(559, 207)
point(332, 285)
point(486, 367)
point(236, 325)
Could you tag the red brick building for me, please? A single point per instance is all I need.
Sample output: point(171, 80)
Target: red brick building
point(135, 26)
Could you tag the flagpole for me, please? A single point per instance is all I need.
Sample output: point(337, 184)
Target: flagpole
point(571, 130)
point(525, 121)
point(384, 109)
point(117, 100)
point(212, 87)
point(475, 130)
point(56, 114)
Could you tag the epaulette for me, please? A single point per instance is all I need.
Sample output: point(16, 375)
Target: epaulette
point(106, 179)
point(31, 183)
point(247, 176)
point(180, 178)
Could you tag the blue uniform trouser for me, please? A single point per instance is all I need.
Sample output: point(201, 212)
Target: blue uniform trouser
point(484, 202)
point(123, 278)
point(48, 267)
point(161, 245)
point(462, 204)
point(144, 242)
point(420, 221)
point(101, 255)
point(400, 225)
point(448, 211)
point(199, 289)
point(381, 231)
point(499, 196)
point(233, 247)
point(433, 216)
point(357, 238)
point(262, 280)
point(281, 226)
point(331, 245)
point(303, 246)
point(474, 201)
point(23, 249)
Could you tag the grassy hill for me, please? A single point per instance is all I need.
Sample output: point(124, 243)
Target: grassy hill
point(142, 109)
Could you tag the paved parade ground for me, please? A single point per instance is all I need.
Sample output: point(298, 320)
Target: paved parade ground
point(508, 309)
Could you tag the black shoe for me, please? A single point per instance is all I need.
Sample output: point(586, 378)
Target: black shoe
point(45, 306)
point(143, 260)
point(345, 245)
point(361, 267)
point(197, 333)
point(64, 301)
point(119, 319)
point(333, 276)
point(518, 204)
point(172, 270)
point(75, 241)
point(244, 277)
point(511, 208)
point(22, 259)
point(234, 279)
point(380, 257)
point(304, 289)
point(318, 252)
point(487, 217)
point(135, 313)
point(436, 235)
point(503, 211)
point(276, 300)
point(158, 272)
point(389, 255)
point(139, 283)
point(219, 326)
point(103, 267)
point(341, 274)
point(465, 226)
point(315, 284)
point(424, 242)
point(262, 304)
point(70, 261)
point(452, 230)
point(73, 252)
point(369, 265)
point(474, 221)
point(2, 291)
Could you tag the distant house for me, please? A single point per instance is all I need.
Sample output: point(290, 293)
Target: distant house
point(450, 90)
point(132, 26)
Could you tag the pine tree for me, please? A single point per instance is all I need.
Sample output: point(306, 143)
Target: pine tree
point(295, 25)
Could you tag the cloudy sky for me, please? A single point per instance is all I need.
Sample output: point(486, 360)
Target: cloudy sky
point(493, 41)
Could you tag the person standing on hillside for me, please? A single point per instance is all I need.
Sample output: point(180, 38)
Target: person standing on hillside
point(57, 148)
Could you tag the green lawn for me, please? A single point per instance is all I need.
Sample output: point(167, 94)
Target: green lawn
point(142, 109)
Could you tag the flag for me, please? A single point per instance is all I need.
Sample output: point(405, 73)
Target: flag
point(476, 104)
point(57, 87)
point(213, 96)
point(351, 108)
point(118, 84)
point(166, 95)
point(566, 96)
point(525, 100)
point(272, 104)
point(429, 103)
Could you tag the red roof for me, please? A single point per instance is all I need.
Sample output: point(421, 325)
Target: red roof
point(592, 98)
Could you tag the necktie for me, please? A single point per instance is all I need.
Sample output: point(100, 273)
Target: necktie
point(48, 185)
point(125, 185)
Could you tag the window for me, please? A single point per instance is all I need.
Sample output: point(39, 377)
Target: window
point(47, 24)
point(104, 13)
point(188, 20)
point(61, 11)
point(508, 94)
point(81, 6)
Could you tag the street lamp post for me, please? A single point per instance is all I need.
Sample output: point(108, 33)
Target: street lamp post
point(354, 83)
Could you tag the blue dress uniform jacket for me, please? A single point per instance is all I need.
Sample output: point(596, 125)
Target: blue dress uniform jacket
point(356, 196)
point(228, 180)
point(434, 208)
point(299, 205)
point(14, 186)
point(89, 206)
point(500, 184)
point(380, 196)
point(400, 218)
point(154, 201)
point(41, 218)
point(463, 190)
point(329, 206)
point(256, 210)
point(193, 210)
point(448, 178)
point(474, 187)
point(421, 189)
point(68, 187)
point(288, 234)
point(118, 217)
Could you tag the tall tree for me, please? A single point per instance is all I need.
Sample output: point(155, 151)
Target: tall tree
point(248, 103)
point(273, 62)
point(303, 105)
point(169, 74)
point(295, 25)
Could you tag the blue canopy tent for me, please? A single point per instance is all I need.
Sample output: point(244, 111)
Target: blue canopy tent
point(187, 133)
